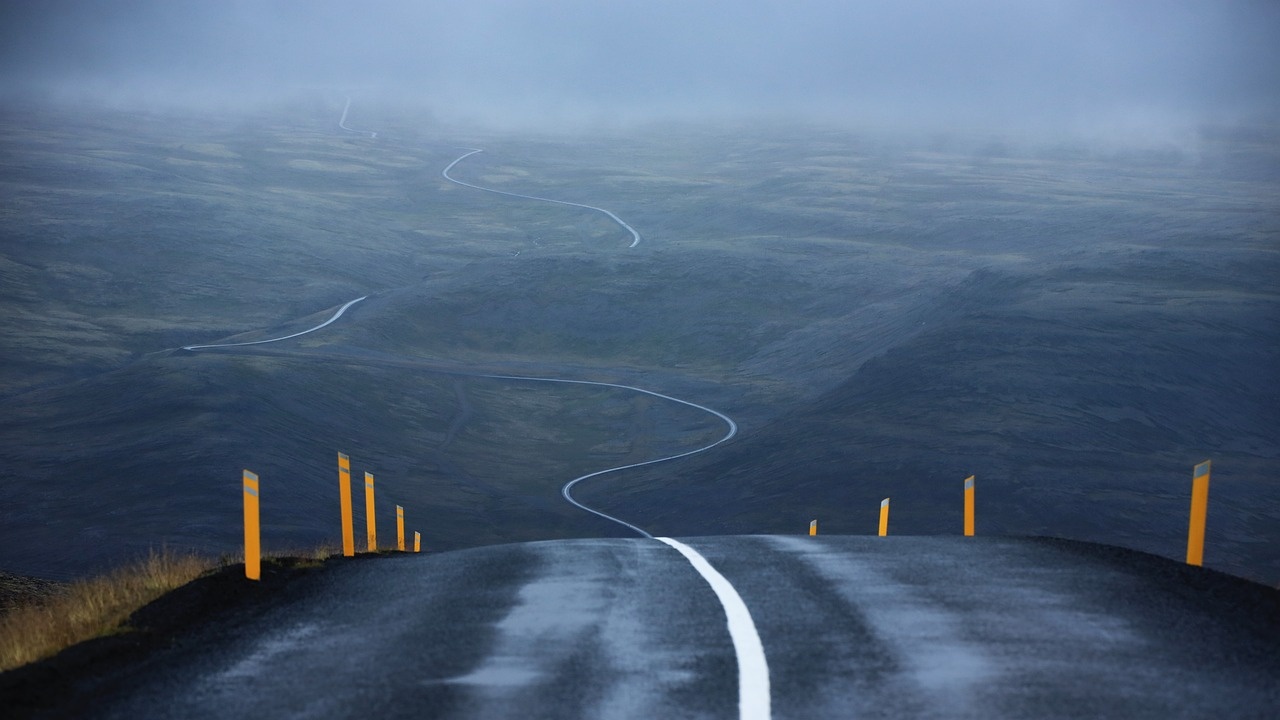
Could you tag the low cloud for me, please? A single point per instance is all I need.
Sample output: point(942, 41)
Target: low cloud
point(1126, 68)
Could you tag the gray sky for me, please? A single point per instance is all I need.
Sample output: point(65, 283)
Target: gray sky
point(1056, 65)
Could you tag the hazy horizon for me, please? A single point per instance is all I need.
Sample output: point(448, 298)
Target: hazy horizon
point(1141, 72)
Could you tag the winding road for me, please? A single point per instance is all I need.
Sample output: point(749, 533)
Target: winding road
point(753, 672)
point(342, 123)
point(566, 491)
point(326, 323)
point(938, 627)
point(635, 236)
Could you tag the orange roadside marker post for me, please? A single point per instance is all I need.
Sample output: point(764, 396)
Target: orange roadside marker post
point(1199, 511)
point(813, 527)
point(344, 493)
point(252, 540)
point(417, 541)
point(371, 521)
point(884, 517)
point(968, 506)
point(400, 528)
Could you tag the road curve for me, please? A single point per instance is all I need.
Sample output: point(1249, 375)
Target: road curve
point(635, 236)
point(566, 491)
point(342, 123)
point(335, 316)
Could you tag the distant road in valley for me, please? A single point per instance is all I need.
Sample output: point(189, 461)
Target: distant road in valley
point(746, 627)
point(324, 324)
point(385, 360)
point(342, 123)
point(566, 490)
point(635, 236)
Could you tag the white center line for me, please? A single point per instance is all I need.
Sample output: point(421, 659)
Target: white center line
point(753, 669)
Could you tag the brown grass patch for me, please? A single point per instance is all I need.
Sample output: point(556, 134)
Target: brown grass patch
point(92, 608)
point(100, 606)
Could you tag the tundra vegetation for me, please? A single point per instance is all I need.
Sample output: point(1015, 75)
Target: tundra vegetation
point(882, 315)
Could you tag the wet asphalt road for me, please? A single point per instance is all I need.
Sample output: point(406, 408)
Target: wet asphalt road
point(851, 627)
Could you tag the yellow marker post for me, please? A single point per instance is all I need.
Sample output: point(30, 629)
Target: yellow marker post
point(252, 539)
point(813, 527)
point(884, 517)
point(417, 541)
point(400, 528)
point(1199, 509)
point(344, 493)
point(371, 521)
point(968, 506)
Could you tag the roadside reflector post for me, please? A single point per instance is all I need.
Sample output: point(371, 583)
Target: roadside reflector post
point(252, 539)
point(344, 493)
point(400, 528)
point(370, 520)
point(813, 527)
point(417, 541)
point(1199, 509)
point(968, 506)
point(884, 517)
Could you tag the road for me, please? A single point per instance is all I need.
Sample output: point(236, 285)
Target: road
point(848, 627)
point(342, 123)
point(748, 627)
point(341, 311)
point(635, 236)
point(566, 491)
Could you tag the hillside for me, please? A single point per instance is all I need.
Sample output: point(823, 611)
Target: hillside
point(880, 317)
point(1079, 395)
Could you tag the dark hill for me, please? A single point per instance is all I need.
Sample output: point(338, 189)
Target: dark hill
point(1081, 396)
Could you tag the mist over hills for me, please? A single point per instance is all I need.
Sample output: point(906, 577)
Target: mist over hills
point(1074, 325)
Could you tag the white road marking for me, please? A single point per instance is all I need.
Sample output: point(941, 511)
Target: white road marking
point(753, 669)
point(445, 173)
point(286, 337)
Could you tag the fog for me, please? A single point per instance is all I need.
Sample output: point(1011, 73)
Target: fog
point(1105, 67)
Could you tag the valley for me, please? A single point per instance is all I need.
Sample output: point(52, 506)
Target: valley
point(880, 317)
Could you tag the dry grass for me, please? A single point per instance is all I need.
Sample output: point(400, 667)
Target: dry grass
point(92, 608)
point(100, 606)
point(312, 557)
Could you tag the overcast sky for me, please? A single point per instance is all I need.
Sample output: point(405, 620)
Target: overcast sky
point(962, 64)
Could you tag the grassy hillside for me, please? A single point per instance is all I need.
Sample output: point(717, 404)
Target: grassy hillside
point(1081, 400)
point(881, 318)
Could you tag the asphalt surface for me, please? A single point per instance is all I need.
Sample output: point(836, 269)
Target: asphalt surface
point(852, 627)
